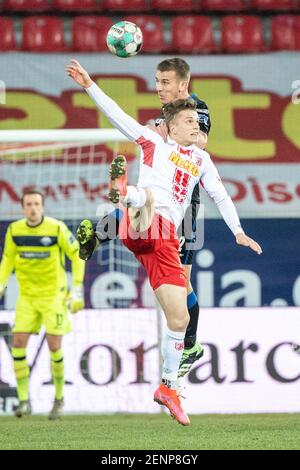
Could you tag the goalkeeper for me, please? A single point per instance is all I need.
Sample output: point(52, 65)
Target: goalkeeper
point(35, 247)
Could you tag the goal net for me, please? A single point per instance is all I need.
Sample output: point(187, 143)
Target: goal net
point(117, 356)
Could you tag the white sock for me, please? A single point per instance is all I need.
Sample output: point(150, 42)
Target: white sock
point(172, 349)
point(135, 197)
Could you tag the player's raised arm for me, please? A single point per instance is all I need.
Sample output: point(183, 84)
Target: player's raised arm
point(79, 74)
point(213, 185)
point(122, 121)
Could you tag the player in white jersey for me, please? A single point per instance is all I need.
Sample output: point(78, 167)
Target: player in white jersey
point(169, 172)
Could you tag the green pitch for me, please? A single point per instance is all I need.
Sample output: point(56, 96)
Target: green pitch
point(264, 431)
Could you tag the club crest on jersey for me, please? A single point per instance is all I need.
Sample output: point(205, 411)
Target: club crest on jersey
point(180, 162)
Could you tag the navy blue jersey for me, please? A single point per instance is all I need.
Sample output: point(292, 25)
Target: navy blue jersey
point(203, 113)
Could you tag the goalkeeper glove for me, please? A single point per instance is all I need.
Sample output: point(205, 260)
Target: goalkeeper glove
point(76, 299)
point(2, 289)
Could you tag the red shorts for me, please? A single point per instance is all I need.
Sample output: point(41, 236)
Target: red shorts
point(157, 250)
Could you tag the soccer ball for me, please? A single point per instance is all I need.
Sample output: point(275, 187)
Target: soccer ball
point(124, 39)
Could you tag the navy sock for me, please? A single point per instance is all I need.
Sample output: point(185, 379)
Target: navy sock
point(191, 331)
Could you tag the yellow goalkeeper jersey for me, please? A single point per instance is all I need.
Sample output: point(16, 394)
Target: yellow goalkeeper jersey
point(37, 255)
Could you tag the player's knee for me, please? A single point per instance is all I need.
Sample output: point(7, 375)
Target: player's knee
point(19, 344)
point(54, 344)
point(179, 322)
point(19, 341)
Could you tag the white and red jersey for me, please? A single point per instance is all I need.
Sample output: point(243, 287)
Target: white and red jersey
point(169, 170)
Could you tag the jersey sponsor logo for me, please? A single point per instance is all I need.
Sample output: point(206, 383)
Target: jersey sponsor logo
point(188, 166)
point(34, 240)
point(46, 241)
point(34, 254)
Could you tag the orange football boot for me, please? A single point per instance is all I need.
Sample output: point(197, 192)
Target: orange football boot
point(118, 179)
point(170, 398)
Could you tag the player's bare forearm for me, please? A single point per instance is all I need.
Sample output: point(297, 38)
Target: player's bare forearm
point(79, 74)
point(244, 240)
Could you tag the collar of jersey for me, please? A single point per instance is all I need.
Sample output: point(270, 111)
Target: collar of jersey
point(37, 225)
